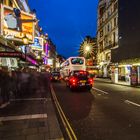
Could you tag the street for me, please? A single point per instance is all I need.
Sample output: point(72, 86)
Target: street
point(69, 70)
point(108, 112)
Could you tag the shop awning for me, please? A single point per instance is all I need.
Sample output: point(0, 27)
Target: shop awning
point(19, 55)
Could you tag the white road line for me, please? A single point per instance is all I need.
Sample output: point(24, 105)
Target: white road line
point(23, 117)
point(130, 102)
point(4, 105)
point(100, 90)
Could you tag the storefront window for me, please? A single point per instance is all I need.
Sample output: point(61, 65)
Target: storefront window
point(121, 71)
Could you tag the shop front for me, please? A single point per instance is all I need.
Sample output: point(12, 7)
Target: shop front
point(14, 60)
point(10, 63)
point(138, 75)
point(126, 74)
point(15, 26)
point(6, 54)
point(121, 74)
point(104, 69)
point(135, 75)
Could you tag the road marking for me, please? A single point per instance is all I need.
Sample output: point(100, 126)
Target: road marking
point(4, 105)
point(65, 122)
point(23, 117)
point(130, 102)
point(100, 90)
point(31, 99)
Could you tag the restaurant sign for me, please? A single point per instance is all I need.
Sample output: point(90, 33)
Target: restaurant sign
point(17, 24)
point(10, 54)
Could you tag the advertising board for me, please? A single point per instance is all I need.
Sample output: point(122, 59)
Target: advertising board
point(38, 44)
point(16, 24)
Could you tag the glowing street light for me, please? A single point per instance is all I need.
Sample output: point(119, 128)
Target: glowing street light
point(87, 48)
point(25, 40)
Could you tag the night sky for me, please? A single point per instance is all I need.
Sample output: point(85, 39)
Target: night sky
point(67, 22)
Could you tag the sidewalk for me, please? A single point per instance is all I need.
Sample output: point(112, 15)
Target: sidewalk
point(31, 117)
point(107, 80)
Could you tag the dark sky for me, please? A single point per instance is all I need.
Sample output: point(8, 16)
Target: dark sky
point(67, 22)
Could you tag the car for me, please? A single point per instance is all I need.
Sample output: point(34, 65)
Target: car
point(55, 76)
point(79, 79)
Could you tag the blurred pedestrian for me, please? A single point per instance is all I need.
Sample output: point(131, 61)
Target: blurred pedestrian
point(5, 84)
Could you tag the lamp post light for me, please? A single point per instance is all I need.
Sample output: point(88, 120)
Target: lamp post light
point(87, 49)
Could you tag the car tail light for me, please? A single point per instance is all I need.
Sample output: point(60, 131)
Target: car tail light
point(90, 80)
point(81, 72)
point(73, 80)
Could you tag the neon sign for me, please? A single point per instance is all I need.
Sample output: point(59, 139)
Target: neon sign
point(38, 44)
point(11, 29)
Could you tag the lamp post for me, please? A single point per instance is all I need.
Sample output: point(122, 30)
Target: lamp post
point(26, 42)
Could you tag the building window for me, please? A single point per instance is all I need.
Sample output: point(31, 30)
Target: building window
point(115, 6)
point(101, 33)
point(1, 1)
point(108, 27)
point(115, 22)
point(114, 39)
point(4, 2)
point(101, 46)
point(10, 3)
point(108, 56)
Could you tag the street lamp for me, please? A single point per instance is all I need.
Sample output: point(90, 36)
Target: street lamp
point(87, 48)
point(26, 42)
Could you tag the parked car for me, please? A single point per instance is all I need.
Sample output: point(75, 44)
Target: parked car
point(55, 76)
point(79, 79)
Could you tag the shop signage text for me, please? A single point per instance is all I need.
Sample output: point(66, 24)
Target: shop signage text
point(10, 54)
point(14, 27)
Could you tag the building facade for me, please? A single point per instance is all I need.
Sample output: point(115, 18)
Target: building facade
point(16, 24)
point(107, 34)
point(118, 40)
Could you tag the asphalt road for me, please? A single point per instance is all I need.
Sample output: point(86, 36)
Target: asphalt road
point(107, 112)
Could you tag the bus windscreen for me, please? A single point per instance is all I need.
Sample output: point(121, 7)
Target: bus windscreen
point(77, 61)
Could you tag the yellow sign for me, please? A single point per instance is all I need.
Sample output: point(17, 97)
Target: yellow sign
point(16, 27)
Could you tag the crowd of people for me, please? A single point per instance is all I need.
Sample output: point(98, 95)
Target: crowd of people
point(14, 83)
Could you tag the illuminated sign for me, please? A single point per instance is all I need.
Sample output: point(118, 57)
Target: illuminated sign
point(19, 55)
point(17, 24)
point(134, 76)
point(50, 61)
point(46, 48)
point(10, 54)
point(38, 44)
